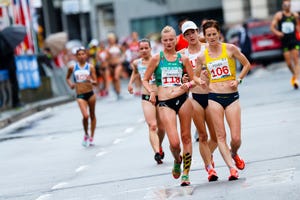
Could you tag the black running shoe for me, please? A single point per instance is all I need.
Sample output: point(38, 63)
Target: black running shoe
point(158, 158)
point(162, 155)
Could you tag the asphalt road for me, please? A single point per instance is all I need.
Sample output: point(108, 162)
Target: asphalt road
point(42, 157)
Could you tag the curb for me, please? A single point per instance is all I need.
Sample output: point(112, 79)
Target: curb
point(14, 115)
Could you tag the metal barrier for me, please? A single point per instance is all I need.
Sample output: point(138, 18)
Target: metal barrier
point(5, 90)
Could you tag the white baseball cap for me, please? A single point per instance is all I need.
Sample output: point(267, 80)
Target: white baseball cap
point(188, 25)
point(93, 42)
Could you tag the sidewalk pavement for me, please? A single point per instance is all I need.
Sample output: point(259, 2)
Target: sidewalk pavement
point(13, 115)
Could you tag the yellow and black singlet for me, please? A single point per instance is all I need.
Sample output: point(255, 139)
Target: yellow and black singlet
point(221, 68)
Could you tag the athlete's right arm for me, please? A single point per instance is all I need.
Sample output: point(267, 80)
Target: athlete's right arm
point(153, 63)
point(68, 76)
point(198, 71)
point(274, 24)
point(133, 76)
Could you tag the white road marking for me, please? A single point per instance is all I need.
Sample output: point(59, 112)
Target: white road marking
point(101, 153)
point(129, 130)
point(116, 141)
point(44, 197)
point(59, 185)
point(81, 168)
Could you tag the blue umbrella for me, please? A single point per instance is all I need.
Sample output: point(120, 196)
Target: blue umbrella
point(13, 35)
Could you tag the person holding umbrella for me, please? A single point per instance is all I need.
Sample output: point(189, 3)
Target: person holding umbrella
point(10, 38)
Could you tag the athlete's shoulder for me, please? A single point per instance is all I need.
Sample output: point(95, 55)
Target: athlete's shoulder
point(278, 15)
point(295, 14)
point(155, 59)
point(231, 47)
point(136, 62)
point(71, 65)
point(91, 65)
point(182, 51)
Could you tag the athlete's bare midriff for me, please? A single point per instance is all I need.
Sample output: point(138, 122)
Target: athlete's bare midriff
point(165, 93)
point(222, 87)
point(82, 88)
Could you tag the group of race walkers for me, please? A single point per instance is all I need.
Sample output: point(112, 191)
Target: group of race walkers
point(194, 80)
point(196, 83)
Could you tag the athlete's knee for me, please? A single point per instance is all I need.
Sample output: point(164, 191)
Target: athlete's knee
point(236, 139)
point(152, 126)
point(203, 137)
point(92, 116)
point(186, 139)
point(221, 138)
point(175, 145)
point(85, 117)
point(213, 141)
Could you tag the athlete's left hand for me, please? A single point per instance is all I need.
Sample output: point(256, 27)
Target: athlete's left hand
point(185, 86)
point(185, 78)
point(152, 98)
point(234, 84)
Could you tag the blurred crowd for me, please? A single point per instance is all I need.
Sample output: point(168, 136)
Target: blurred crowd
point(111, 57)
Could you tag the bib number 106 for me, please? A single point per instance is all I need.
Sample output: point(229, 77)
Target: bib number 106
point(219, 71)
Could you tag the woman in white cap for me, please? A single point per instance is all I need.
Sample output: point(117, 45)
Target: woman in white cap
point(200, 100)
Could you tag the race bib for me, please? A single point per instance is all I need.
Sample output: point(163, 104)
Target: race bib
point(171, 77)
point(219, 69)
point(142, 71)
point(81, 75)
point(287, 27)
point(194, 63)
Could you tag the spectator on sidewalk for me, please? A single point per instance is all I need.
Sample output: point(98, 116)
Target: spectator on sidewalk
point(7, 61)
point(181, 42)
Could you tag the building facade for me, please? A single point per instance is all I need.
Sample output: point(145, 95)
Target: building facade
point(87, 19)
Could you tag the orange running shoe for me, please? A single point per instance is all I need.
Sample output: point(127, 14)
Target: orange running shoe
point(234, 175)
point(212, 175)
point(239, 163)
point(294, 82)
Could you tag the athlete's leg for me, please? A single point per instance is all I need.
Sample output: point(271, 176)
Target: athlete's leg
point(288, 61)
point(85, 115)
point(198, 118)
point(168, 118)
point(150, 117)
point(218, 112)
point(117, 77)
point(92, 104)
point(185, 118)
point(106, 77)
point(212, 142)
point(161, 128)
point(295, 58)
point(233, 117)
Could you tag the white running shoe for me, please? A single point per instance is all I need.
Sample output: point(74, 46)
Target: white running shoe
point(85, 141)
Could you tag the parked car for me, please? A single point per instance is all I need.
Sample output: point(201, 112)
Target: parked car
point(266, 46)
